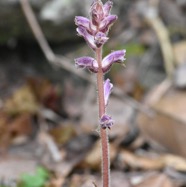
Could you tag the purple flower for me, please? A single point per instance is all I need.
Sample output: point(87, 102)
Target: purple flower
point(92, 65)
point(82, 21)
point(107, 7)
point(106, 121)
point(88, 37)
point(97, 13)
point(107, 22)
point(107, 90)
point(95, 29)
point(114, 57)
point(87, 62)
point(100, 39)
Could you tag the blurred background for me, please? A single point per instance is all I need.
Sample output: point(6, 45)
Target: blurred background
point(49, 132)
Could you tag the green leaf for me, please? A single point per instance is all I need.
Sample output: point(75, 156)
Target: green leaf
point(36, 180)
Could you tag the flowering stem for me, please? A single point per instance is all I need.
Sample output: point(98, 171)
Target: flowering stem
point(103, 132)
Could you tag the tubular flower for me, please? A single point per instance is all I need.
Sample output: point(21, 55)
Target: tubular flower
point(113, 57)
point(88, 37)
point(106, 121)
point(87, 62)
point(107, 90)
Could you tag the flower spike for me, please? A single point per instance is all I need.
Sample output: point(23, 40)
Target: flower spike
point(95, 32)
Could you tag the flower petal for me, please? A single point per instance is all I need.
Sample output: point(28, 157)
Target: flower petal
point(107, 90)
point(106, 121)
point(87, 62)
point(107, 7)
point(82, 21)
point(88, 37)
point(97, 13)
point(114, 57)
point(100, 39)
point(84, 62)
point(107, 23)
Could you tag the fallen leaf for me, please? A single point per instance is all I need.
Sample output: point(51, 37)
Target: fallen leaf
point(55, 181)
point(167, 126)
point(175, 162)
point(63, 133)
point(149, 161)
point(93, 158)
point(140, 162)
point(20, 126)
point(22, 101)
point(117, 178)
point(160, 180)
point(45, 92)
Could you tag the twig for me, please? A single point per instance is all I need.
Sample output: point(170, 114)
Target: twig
point(59, 61)
point(45, 139)
point(162, 33)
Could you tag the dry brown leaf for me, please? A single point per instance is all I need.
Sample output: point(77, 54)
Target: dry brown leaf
point(62, 134)
point(4, 137)
point(140, 162)
point(167, 127)
point(164, 133)
point(56, 181)
point(156, 162)
point(157, 181)
point(93, 158)
point(84, 180)
point(175, 162)
point(21, 126)
point(118, 178)
point(46, 94)
point(23, 100)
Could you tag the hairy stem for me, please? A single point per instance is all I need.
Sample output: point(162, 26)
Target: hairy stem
point(103, 132)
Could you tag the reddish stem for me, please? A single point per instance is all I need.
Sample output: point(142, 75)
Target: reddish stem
point(103, 132)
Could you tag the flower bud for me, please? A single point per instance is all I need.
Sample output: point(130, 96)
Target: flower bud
point(106, 122)
point(97, 12)
point(100, 39)
point(82, 21)
point(107, 7)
